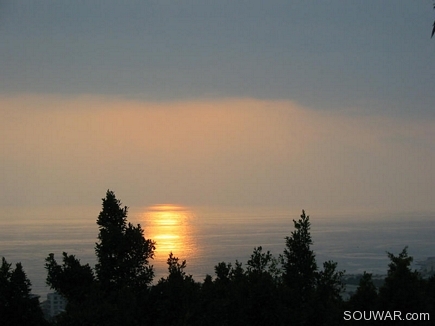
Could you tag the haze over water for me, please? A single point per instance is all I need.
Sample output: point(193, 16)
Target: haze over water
point(205, 236)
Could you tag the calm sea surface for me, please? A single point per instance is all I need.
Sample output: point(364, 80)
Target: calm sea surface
point(205, 236)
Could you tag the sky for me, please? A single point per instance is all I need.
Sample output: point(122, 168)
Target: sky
point(308, 104)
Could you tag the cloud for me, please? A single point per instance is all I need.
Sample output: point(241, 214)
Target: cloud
point(235, 151)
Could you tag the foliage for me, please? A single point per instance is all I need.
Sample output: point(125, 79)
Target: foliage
point(263, 281)
point(299, 272)
point(175, 297)
point(299, 263)
point(288, 290)
point(328, 304)
point(433, 29)
point(123, 253)
point(403, 288)
point(263, 264)
point(117, 293)
point(366, 295)
point(17, 305)
point(71, 279)
point(364, 299)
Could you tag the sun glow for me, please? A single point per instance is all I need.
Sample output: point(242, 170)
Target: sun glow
point(171, 227)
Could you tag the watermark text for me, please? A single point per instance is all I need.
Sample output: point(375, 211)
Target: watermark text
point(385, 315)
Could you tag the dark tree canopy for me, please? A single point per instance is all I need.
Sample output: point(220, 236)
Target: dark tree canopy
point(116, 293)
point(71, 279)
point(17, 305)
point(123, 253)
point(262, 263)
point(313, 297)
point(123, 256)
point(366, 295)
point(290, 290)
point(433, 28)
point(299, 262)
point(402, 289)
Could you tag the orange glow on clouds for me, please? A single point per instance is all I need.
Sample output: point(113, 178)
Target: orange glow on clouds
point(228, 151)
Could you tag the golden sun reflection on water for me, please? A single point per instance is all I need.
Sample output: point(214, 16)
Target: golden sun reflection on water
point(172, 228)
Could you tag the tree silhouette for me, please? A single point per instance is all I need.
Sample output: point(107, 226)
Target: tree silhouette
point(403, 288)
point(299, 270)
point(312, 297)
point(328, 302)
point(366, 295)
point(263, 278)
point(118, 291)
point(364, 299)
point(176, 296)
point(299, 262)
point(433, 29)
point(123, 253)
point(17, 306)
point(292, 290)
point(71, 279)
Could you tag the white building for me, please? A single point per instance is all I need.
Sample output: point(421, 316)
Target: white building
point(54, 305)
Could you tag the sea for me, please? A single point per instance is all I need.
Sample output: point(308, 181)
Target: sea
point(205, 236)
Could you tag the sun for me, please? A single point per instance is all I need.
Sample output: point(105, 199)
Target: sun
point(170, 226)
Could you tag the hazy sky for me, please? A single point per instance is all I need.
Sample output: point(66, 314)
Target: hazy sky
point(307, 104)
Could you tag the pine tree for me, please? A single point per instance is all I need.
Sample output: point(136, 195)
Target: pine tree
point(123, 253)
point(366, 295)
point(118, 291)
point(176, 296)
point(72, 280)
point(403, 288)
point(299, 262)
point(311, 296)
point(17, 305)
point(299, 272)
